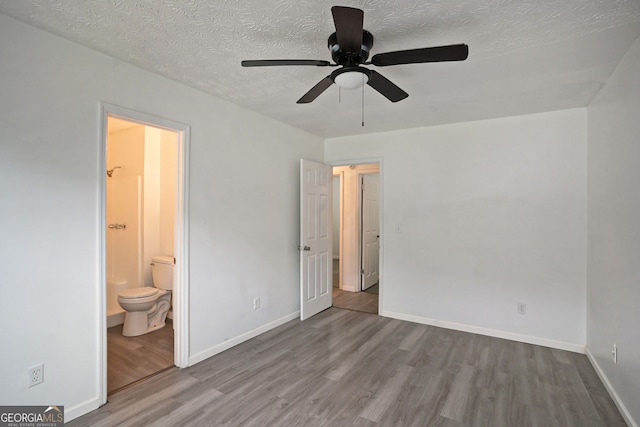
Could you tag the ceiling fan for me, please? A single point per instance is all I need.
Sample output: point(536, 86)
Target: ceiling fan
point(350, 46)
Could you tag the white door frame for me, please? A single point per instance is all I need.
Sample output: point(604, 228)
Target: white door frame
point(367, 161)
point(181, 237)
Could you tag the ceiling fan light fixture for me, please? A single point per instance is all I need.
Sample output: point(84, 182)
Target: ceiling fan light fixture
point(351, 79)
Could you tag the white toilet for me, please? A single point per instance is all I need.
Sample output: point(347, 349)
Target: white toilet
point(146, 307)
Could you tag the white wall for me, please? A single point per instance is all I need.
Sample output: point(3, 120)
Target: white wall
point(613, 311)
point(160, 168)
point(492, 213)
point(168, 182)
point(244, 198)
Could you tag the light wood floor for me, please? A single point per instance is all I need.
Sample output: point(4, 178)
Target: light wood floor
point(130, 359)
point(344, 368)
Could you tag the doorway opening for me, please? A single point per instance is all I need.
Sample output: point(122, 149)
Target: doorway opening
point(144, 237)
point(356, 237)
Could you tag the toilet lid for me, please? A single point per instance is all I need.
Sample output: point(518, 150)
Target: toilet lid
point(142, 292)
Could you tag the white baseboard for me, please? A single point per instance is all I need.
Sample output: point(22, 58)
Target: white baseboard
point(349, 288)
point(560, 345)
point(73, 412)
point(612, 392)
point(212, 351)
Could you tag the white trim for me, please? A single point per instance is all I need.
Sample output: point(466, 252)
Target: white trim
point(73, 412)
point(102, 263)
point(560, 345)
point(212, 351)
point(612, 392)
point(181, 253)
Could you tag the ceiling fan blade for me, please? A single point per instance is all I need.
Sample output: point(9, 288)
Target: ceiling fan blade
point(316, 91)
point(454, 52)
point(383, 85)
point(272, 62)
point(348, 22)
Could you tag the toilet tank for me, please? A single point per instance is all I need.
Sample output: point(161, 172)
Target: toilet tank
point(162, 272)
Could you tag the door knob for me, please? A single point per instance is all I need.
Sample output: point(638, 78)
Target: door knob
point(305, 248)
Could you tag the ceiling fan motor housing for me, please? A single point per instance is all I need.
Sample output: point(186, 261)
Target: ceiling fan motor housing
point(349, 58)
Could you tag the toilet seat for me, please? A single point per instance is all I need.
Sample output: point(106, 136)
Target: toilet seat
point(142, 292)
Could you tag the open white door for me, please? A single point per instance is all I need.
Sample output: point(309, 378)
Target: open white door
point(316, 259)
point(370, 230)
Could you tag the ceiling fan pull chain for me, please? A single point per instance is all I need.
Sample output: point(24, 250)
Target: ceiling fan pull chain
point(363, 100)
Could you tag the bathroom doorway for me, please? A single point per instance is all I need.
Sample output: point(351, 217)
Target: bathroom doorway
point(145, 226)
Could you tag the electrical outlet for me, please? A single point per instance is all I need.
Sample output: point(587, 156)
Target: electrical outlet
point(522, 308)
point(256, 303)
point(36, 375)
point(614, 354)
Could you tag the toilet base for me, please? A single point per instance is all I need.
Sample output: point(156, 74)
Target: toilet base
point(142, 322)
point(135, 323)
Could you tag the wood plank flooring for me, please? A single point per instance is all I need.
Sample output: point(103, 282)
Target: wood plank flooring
point(366, 301)
point(358, 301)
point(130, 359)
point(346, 368)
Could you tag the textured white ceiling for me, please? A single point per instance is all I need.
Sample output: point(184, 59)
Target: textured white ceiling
point(525, 56)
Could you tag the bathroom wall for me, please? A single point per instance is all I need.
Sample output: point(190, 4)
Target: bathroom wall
point(168, 184)
point(141, 195)
point(159, 196)
point(125, 187)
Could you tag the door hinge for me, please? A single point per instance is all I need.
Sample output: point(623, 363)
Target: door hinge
point(362, 271)
point(174, 260)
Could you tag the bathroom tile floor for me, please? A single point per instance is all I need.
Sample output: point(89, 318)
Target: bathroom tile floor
point(130, 359)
